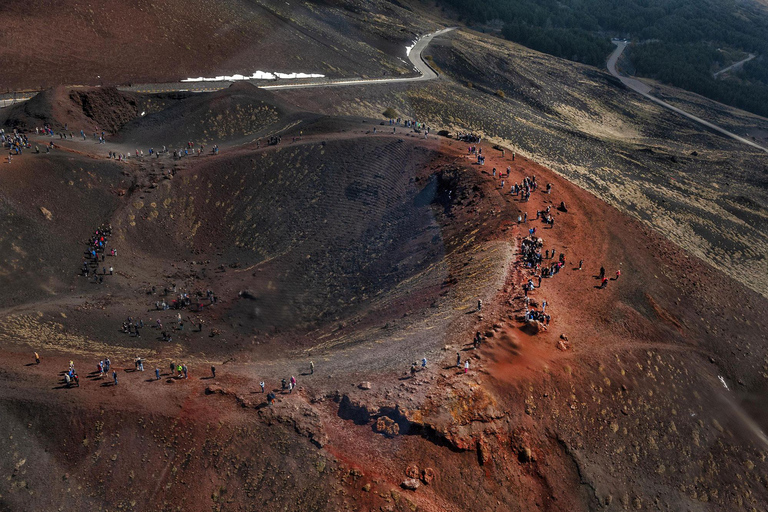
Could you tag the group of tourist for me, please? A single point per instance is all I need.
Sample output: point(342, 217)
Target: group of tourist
point(96, 254)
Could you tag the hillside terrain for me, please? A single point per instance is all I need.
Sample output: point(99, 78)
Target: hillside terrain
point(691, 44)
point(703, 191)
point(97, 43)
point(254, 237)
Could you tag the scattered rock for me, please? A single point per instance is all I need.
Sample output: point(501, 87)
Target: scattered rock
point(483, 451)
point(365, 385)
point(367, 487)
point(387, 426)
point(213, 388)
point(535, 327)
point(411, 484)
point(563, 345)
point(525, 455)
point(46, 213)
point(564, 337)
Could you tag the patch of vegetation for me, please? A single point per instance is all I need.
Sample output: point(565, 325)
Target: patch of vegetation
point(681, 41)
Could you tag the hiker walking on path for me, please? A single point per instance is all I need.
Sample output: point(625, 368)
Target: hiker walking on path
point(213, 372)
point(466, 366)
point(157, 373)
point(602, 272)
point(458, 360)
point(311, 367)
point(114, 376)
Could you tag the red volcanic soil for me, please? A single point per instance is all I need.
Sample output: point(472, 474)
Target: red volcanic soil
point(363, 253)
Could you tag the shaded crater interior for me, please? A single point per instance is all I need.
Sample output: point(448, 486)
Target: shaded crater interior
point(303, 234)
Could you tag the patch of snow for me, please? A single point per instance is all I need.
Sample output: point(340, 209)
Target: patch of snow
point(257, 75)
point(409, 48)
point(723, 381)
point(299, 75)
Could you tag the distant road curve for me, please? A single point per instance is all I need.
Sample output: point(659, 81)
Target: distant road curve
point(424, 70)
point(644, 90)
point(733, 66)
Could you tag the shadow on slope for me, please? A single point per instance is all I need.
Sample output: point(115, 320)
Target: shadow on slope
point(305, 234)
point(240, 111)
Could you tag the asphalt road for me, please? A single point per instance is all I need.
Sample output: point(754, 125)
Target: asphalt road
point(419, 64)
point(735, 65)
point(425, 73)
point(644, 90)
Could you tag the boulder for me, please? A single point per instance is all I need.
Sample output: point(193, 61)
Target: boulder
point(428, 475)
point(412, 471)
point(411, 484)
point(387, 426)
point(525, 455)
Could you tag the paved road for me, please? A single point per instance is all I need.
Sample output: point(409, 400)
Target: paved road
point(644, 90)
point(425, 73)
point(424, 70)
point(733, 66)
point(10, 99)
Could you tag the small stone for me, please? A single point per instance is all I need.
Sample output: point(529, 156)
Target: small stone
point(428, 475)
point(411, 484)
point(387, 426)
point(412, 471)
point(367, 487)
point(365, 385)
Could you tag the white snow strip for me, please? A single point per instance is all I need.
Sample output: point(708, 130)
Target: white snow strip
point(723, 381)
point(409, 48)
point(257, 75)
